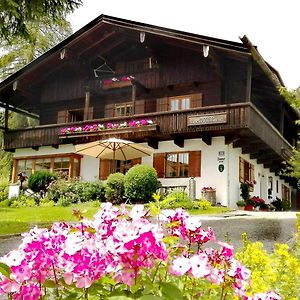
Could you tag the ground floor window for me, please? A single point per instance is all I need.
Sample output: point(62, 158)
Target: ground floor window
point(108, 166)
point(177, 164)
point(67, 165)
point(285, 193)
point(246, 171)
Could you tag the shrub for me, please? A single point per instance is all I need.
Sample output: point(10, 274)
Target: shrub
point(114, 188)
point(66, 193)
point(3, 191)
point(178, 199)
point(140, 183)
point(39, 181)
point(204, 204)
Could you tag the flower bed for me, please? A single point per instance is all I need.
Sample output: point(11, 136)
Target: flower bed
point(99, 126)
point(121, 254)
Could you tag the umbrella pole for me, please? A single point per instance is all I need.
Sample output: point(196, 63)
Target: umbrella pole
point(114, 161)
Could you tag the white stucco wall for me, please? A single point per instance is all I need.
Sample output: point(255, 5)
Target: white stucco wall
point(226, 183)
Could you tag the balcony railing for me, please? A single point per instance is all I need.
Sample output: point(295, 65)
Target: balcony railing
point(212, 121)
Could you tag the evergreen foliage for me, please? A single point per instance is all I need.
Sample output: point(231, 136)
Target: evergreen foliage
point(114, 188)
point(16, 15)
point(140, 183)
point(40, 180)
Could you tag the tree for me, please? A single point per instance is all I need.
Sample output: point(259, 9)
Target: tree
point(293, 166)
point(18, 52)
point(16, 15)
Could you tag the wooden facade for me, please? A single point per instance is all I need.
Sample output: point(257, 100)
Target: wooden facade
point(106, 73)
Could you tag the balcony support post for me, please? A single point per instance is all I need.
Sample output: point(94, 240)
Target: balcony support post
point(87, 103)
point(133, 97)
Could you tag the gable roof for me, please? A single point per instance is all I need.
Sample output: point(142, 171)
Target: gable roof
point(137, 26)
point(225, 45)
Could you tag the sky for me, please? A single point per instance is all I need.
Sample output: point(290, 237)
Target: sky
point(272, 25)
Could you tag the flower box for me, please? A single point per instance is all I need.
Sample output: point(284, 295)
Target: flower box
point(110, 131)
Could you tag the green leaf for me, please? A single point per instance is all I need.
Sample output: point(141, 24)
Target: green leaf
point(171, 240)
point(119, 298)
point(171, 291)
point(151, 297)
point(5, 270)
point(50, 284)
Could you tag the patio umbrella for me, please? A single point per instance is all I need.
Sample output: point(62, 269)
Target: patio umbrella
point(113, 148)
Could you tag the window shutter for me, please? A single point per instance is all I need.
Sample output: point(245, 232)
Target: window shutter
point(104, 170)
point(159, 164)
point(139, 107)
point(62, 116)
point(242, 170)
point(109, 110)
point(136, 161)
point(196, 100)
point(162, 104)
point(90, 114)
point(194, 163)
point(251, 172)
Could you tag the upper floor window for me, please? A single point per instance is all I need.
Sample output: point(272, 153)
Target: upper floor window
point(123, 109)
point(179, 103)
point(176, 103)
point(75, 115)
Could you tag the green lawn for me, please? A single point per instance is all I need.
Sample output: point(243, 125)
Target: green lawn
point(18, 220)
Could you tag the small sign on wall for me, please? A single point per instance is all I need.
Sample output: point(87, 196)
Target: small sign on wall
point(221, 168)
point(221, 160)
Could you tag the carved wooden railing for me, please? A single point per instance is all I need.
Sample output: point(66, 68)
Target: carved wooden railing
point(236, 116)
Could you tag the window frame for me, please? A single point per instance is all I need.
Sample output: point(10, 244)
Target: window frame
point(128, 109)
point(179, 99)
point(73, 159)
point(178, 167)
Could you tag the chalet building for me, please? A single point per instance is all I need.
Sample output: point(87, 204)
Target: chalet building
point(209, 108)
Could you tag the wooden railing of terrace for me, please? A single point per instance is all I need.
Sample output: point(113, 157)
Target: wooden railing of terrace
point(243, 122)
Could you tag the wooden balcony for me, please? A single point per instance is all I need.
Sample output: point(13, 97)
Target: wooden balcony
point(241, 124)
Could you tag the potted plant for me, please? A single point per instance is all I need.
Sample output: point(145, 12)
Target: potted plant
point(264, 207)
point(245, 194)
point(241, 204)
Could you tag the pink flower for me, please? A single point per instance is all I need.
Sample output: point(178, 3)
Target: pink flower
point(21, 273)
point(180, 266)
point(200, 265)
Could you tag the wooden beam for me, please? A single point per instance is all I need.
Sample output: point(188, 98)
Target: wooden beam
point(153, 143)
point(133, 96)
point(87, 104)
point(231, 139)
point(102, 39)
point(20, 111)
point(261, 62)
point(179, 141)
point(207, 140)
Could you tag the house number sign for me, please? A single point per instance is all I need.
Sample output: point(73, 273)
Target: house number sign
point(216, 118)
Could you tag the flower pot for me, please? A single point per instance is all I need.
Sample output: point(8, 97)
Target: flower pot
point(241, 207)
point(249, 207)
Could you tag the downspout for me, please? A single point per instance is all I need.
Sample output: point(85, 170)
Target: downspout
point(228, 176)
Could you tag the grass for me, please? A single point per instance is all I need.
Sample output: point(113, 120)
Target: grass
point(18, 220)
point(210, 211)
